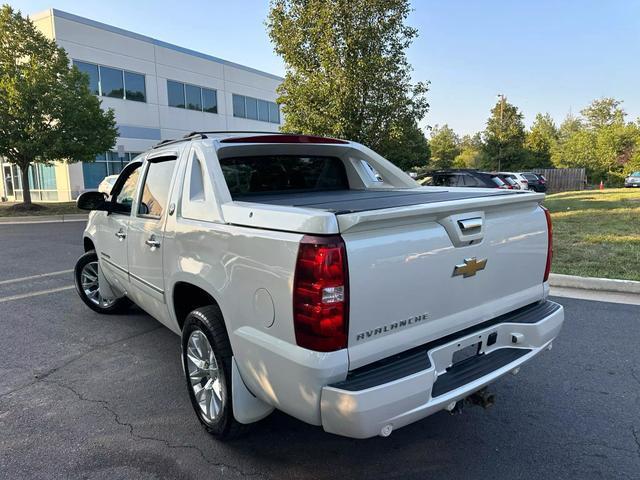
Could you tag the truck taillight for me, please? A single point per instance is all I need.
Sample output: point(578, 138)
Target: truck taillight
point(321, 294)
point(547, 268)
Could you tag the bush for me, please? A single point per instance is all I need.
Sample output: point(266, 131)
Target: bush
point(614, 179)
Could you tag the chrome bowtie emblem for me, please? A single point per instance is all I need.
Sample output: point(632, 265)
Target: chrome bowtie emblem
point(469, 267)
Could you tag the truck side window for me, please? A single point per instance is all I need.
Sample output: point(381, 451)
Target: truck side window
point(155, 191)
point(123, 193)
point(373, 173)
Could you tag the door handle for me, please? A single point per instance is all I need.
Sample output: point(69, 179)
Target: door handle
point(470, 223)
point(121, 235)
point(153, 243)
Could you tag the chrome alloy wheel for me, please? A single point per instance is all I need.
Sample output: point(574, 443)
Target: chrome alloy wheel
point(204, 376)
point(90, 286)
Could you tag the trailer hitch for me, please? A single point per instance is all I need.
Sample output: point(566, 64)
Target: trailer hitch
point(481, 398)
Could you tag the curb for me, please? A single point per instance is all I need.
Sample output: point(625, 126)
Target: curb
point(594, 284)
point(72, 217)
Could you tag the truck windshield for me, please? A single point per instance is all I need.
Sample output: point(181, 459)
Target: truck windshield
point(283, 174)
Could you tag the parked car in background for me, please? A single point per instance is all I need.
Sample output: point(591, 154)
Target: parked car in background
point(537, 183)
point(466, 178)
point(518, 177)
point(633, 180)
point(106, 185)
point(511, 182)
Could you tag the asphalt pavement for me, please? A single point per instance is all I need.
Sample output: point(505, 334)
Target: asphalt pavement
point(103, 397)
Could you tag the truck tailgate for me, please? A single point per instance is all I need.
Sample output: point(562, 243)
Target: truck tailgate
point(418, 273)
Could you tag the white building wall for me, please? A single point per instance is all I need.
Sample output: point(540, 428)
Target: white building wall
point(142, 125)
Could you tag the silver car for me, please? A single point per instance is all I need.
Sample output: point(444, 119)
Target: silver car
point(633, 180)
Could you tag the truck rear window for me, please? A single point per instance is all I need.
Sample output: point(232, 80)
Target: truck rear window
point(283, 173)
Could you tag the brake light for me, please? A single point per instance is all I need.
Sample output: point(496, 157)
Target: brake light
point(547, 268)
point(321, 294)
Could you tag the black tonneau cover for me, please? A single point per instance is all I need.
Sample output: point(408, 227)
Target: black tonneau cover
point(352, 201)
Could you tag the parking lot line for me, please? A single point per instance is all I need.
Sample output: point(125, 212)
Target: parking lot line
point(33, 277)
point(35, 294)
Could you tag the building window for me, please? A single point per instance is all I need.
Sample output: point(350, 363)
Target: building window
point(135, 87)
point(251, 104)
point(114, 82)
point(192, 97)
point(238, 106)
point(274, 113)
point(255, 109)
point(42, 182)
point(175, 92)
point(104, 165)
point(92, 71)
point(209, 100)
point(111, 82)
point(263, 110)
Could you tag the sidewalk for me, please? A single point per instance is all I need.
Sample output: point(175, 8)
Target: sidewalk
point(598, 289)
point(73, 217)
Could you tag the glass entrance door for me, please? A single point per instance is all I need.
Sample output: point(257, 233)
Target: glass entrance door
point(8, 180)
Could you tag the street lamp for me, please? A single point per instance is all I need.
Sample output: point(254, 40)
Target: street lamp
point(502, 100)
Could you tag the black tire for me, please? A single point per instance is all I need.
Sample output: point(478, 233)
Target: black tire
point(210, 322)
point(118, 306)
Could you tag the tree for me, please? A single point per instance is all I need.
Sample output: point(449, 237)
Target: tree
point(577, 150)
point(504, 137)
point(347, 74)
point(406, 147)
point(540, 141)
point(471, 154)
point(601, 142)
point(445, 147)
point(570, 125)
point(47, 112)
point(603, 112)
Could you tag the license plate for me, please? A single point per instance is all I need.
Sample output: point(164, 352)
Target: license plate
point(466, 353)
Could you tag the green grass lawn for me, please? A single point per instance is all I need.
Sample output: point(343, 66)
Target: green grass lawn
point(7, 210)
point(596, 233)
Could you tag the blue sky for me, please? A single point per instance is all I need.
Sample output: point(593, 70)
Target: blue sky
point(545, 56)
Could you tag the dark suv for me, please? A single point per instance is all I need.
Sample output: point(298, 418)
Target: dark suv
point(465, 178)
point(536, 181)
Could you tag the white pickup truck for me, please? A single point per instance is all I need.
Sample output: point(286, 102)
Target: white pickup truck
point(311, 275)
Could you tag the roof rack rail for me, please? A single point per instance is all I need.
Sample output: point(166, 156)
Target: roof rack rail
point(189, 136)
point(203, 135)
point(257, 132)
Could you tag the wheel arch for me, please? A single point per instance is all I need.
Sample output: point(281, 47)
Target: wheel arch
point(88, 244)
point(186, 296)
